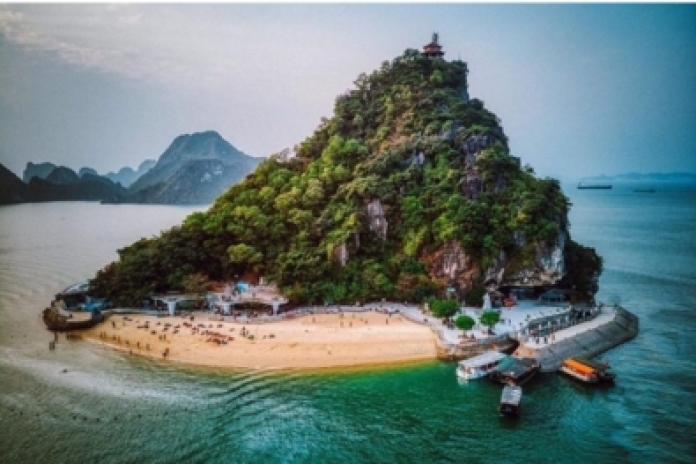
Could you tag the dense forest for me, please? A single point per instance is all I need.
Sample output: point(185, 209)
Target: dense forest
point(408, 190)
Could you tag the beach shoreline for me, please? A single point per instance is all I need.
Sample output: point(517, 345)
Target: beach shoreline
point(314, 342)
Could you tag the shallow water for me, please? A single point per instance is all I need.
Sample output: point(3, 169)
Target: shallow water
point(109, 407)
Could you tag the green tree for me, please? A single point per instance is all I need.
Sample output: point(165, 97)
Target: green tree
point(196, 283)
point(489, 318)
point(464, 322)
point(443, 308)
point(474, 297)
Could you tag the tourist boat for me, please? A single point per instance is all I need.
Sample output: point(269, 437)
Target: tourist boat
point(587, 370)
point(510, 401)
point(479, 366)
point(517, 371)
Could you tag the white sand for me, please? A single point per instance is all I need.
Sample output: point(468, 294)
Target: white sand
point(307, 342)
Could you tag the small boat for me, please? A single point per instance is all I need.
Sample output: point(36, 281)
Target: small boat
point(587, 370)
point(510, 401)
point(479, 366)
point(582, 185)
point(644, 190)
point(514, 370)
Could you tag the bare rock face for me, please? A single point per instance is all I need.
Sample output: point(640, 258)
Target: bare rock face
point(470, 150)
point(340, 254)
point(551, 260)
point(451, 265)
point(496, 272)
point(377, 219)
point(549, 265)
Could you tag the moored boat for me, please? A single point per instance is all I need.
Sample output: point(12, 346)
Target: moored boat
point(510, 401)
point(517, 371)
point(479, 366)
point(587, 370)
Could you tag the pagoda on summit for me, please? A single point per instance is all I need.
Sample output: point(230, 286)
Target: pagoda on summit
point(433, 49)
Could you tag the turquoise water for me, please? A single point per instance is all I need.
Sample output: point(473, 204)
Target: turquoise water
point(108, 407)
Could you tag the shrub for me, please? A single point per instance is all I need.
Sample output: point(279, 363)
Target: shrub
point(443, 308)
point(489, 318)
point(464, 322)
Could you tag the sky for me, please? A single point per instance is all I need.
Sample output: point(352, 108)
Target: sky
point(581, 90)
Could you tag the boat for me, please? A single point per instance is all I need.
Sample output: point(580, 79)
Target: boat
point(644, 190)
point(74, 296)
point(479, 366)
point(583, 185)
point(514, 370)
point(587, 370)
point(57, 319)
point(510, 401)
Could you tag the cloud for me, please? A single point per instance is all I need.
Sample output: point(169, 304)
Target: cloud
point(133, 41)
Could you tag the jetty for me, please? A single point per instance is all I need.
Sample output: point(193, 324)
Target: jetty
point(611, 327)
point(548, 334)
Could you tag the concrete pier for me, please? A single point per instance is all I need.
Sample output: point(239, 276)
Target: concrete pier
point(613, 326)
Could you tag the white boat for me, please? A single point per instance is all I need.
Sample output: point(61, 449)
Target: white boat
point(479, 366)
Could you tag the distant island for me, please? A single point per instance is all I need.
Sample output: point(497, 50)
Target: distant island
point(195, 169)
point(655, 177)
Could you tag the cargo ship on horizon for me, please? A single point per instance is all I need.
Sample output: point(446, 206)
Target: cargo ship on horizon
point(583, 185)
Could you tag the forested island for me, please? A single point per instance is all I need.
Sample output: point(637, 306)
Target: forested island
point(408, 191)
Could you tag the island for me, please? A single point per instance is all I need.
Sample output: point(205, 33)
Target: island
point(407, 194)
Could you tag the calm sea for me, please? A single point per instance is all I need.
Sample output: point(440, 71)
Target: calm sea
point(82, 403)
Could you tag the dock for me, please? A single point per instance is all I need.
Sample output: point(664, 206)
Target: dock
point(611, 327)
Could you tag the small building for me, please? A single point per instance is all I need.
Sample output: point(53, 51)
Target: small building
point(433, 49)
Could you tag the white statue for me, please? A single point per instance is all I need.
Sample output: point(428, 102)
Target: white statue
point(487, 302)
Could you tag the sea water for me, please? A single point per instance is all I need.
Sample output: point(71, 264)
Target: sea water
point(84, 403)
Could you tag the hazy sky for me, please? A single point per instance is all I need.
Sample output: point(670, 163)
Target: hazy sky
point(580, 89)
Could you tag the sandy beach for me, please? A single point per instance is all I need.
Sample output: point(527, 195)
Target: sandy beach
point(306, 342)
